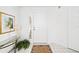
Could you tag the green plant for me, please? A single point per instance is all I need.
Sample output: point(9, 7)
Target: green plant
point(22, 44)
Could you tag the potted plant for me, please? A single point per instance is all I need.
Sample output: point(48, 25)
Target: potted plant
point(23, 44)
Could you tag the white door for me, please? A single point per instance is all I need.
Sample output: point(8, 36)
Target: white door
point(74, 28)
point(39, 29)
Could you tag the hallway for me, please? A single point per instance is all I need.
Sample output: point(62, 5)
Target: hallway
point(57, 27)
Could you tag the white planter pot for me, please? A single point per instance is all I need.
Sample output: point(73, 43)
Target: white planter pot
point(23, 51)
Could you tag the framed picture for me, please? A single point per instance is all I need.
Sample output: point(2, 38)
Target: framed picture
point(6, 23)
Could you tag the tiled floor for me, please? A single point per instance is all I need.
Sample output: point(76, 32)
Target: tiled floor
point(60, 49)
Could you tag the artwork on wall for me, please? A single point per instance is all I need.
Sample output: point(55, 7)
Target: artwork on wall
point(6, 23)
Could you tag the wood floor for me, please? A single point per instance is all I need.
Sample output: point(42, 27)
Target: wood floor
point(41, 49)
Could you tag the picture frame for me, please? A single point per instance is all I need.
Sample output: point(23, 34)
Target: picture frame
point(7, 23)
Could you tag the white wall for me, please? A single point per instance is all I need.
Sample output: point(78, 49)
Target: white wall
point(13, 11)
point(63, 26)
point(51, 17)
point(25, 12)
point(55, 17)
point(57, 25)
point(74, 28)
